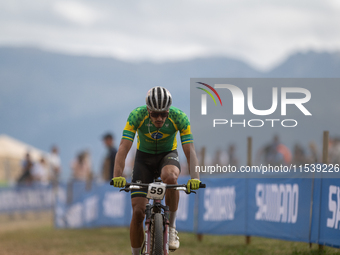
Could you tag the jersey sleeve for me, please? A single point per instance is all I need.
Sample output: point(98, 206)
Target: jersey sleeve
point(132, 123)
point(184, 128)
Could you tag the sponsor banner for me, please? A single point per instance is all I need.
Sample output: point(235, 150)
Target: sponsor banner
point(81, 214)
point(78, 189)
point(60, 206)
point(314, 235)
point(275, 208)
point(279, 204)
point(222, 207)
point(106, 206)
point(102, 206)
point(24, 198)
point(185, 214)
point(327, 215)
point(114, 206)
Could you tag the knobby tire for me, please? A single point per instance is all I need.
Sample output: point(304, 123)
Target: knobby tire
point(158, 235)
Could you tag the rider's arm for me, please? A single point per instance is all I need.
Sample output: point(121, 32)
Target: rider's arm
point(124, 148)
point(189, 151)
point(183, 125)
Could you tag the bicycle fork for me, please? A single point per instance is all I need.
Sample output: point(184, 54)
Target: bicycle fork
point(147, 237)
point(166, 231)
point(148, 214)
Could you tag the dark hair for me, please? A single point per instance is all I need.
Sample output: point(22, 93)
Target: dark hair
point(107, 136)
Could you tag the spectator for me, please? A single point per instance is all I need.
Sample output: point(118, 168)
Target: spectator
point(299, 156)
point(109, 161)
point(27, 165)
point(54, 162)
point(334, 151)
point(81, 166)
point(315, 158)
point(221, 158)
point(276, 153)
point(233, 161)
point(40, 172)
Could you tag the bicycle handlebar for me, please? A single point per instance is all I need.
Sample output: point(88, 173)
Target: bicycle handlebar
point(168, 186)
point(130, 186)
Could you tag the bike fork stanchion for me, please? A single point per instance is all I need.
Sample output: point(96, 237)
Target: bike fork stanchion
point(166, 231)
point(147, 238)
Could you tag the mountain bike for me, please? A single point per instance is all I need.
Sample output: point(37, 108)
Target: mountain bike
point(156, 240)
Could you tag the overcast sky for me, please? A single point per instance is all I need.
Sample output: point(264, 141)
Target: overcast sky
point(261, 32)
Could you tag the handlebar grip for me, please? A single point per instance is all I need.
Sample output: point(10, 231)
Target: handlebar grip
point(126, 185)
point(202, 185)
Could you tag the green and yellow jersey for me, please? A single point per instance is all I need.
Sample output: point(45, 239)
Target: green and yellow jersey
point(151, 140)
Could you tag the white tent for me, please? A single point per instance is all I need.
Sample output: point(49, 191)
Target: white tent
point(14, 149)
point(12, 153)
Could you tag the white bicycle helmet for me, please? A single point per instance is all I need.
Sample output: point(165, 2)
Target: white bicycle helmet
point(158, 99)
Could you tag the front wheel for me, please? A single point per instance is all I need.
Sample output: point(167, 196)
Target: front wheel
point(158, 235)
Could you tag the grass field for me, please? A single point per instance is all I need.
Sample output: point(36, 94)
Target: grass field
point(35, 235)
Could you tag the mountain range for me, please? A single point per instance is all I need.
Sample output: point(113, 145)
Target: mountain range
point(52, 98)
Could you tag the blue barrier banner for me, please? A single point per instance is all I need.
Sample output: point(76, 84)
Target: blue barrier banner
point(314, 236)
point(222, 207)
point(77, 189)
point(279, 208)
point(106, 206)
point(60, 206)
point(115, 207)
point(329, 218)
point(275, 208)
point(26, 198)
point(75, 214)
point(102, 206)
point(185, 214)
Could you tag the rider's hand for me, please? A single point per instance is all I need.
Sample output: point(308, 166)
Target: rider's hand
point(193, 184)
point(119, 182)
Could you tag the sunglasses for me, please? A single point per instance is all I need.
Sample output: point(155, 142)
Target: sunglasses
point(162, 114)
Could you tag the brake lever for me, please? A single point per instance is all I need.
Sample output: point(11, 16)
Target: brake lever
point(125, 189)
point(190, 192)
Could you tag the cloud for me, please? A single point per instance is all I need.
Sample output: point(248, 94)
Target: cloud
point(334, 3)
point(76, 12)
point(260, 32)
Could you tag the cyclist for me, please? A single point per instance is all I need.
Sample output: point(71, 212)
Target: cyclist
point(157, 124)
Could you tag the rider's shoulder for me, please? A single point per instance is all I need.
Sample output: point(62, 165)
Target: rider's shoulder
point(175, 112)
point(141, 110)
point(137, 115)
point(179, 118)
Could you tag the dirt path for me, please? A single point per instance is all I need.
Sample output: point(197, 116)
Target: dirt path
point(26, 220)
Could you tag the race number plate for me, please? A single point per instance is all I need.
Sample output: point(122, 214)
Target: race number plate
point(156, 190)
